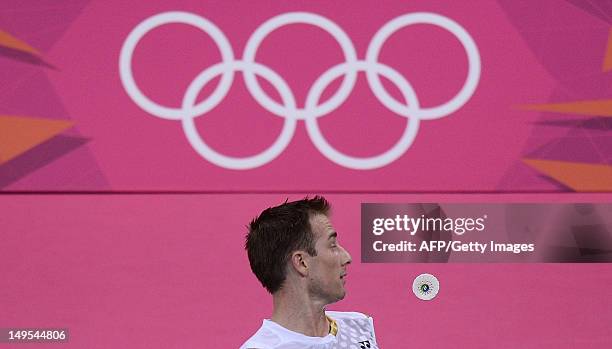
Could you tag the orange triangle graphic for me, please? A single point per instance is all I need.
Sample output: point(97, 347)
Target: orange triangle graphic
point(581, 177)
point(607, 64)
point(19, 134)
point(7, 40)
point(597, 108)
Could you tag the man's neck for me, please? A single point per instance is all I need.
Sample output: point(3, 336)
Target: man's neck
point(300, 313)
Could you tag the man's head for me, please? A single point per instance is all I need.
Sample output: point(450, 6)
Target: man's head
point(297, 238)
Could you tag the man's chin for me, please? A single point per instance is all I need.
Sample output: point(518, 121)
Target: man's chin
point(337, 297)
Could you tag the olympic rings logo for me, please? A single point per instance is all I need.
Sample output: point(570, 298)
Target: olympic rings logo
point(288, 109)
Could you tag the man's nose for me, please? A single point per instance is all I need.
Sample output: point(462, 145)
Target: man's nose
point(347, 257)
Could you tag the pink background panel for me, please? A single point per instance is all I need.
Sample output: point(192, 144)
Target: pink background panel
point(469, 150)
point(169, 271)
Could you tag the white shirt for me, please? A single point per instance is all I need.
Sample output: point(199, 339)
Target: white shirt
point(355, 331)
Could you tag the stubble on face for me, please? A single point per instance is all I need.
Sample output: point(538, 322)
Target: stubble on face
point(329, 266)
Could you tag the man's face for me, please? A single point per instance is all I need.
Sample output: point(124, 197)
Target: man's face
point(328, 268)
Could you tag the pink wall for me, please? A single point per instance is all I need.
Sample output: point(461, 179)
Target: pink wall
point(169, 271)
point(477, 145)
point(115, 226)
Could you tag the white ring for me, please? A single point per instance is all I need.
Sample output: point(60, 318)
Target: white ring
point(127, 51)
point(428, 18)
point(293, 18)
point(212, 155)
point(289, 110)
point(353, 162)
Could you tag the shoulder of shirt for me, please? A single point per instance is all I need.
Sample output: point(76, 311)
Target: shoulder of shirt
point(346, 315)
point(264, 338)
point(254, 344)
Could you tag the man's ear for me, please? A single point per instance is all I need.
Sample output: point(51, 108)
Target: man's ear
point(299, 262)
